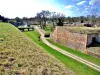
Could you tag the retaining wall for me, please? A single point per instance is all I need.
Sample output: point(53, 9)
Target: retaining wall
point(75, 41)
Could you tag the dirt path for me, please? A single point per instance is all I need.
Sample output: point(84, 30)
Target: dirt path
point(92, 65)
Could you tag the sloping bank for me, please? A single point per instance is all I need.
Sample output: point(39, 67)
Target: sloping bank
point(19, 55)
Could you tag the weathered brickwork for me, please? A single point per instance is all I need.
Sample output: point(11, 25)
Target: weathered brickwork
point(75, 41)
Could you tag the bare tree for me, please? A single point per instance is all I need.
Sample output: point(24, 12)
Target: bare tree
point(25, 19)
point(54, 18)
point(69, 19)
point(39, 18)
point(61, 18)
point(95, 11)
point(42, 18)
point(94, 15)
point(45, 14)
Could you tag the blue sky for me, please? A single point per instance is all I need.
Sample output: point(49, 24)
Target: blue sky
point(29, 8)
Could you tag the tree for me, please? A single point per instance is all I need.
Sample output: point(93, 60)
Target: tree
point(61, 18)
point(82, 18)
point(3, 19)
point(18, 21)
point(43, 17)
point(26, 21)
point(54, 18)
point(95, 11)
point(45, 14)
point(69, 19)
point(94, 15)
point(39, 19)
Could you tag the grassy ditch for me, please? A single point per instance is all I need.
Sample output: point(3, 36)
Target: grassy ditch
point(78, 68)
point(82, 55)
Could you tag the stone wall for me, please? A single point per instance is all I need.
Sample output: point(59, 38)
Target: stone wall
point(98, 38)
point(75, 41)
point(91, 36)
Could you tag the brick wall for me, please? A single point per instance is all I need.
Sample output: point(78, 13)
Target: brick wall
point(75, 41)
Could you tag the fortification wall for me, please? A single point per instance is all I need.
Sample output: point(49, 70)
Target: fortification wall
point(75, 41)
point(90, 38)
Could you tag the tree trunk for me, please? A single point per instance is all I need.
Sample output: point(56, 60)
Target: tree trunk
point(40, 24)
point(53, 24)
point(44, 25)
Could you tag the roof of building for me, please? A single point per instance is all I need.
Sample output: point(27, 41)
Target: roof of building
point(85, 30)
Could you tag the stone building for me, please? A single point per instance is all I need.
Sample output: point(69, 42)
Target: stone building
point(77, 38)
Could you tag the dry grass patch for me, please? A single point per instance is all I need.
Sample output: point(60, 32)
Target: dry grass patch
point(20, 56)
point(87, 30)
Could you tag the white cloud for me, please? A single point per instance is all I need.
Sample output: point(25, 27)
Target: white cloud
point(92, 2)
point(69, 6)
point(27, 8)
point(85, 11)
point(86, 8)
point(81, 3)
point(68, 12)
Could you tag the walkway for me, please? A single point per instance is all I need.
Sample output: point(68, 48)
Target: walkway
point(92, 65)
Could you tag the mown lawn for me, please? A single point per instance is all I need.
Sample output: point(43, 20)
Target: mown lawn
point(84, 56)
point(78, 68)
point(48, 29)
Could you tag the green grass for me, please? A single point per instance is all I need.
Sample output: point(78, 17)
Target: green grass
point(78, 68)
point(19, 55)
point(23, 27)
point(82, 55)
point(48, 29)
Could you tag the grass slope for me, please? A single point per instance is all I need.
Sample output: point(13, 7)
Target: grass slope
point(84, 56)
point(78, 68)
point(20, 56)
point(87, 30)
point(48, 29)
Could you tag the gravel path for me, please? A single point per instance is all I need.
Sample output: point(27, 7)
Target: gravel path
point(92, 65)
